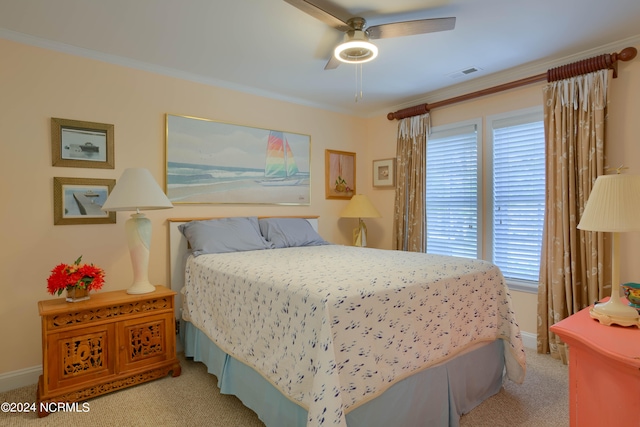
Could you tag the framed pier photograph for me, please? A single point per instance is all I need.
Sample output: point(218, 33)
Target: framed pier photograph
point(81, 144)
point(80, 200)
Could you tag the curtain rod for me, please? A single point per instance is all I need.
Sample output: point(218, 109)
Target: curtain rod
point(607, 60)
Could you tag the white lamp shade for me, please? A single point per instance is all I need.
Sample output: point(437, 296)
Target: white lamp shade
point(136, 190)
point(360, 207)
point(613, 205)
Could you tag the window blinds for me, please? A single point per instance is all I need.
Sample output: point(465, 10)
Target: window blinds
point(518, 197)
point(452, 193)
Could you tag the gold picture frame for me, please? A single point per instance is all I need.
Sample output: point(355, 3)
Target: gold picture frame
point(232, 163)
point(340, 174)
point(384, 172)
point(79, 200)
point(80, 144)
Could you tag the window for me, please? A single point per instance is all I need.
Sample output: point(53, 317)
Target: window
point(518, 198)
point(514, 193)
point(452, 192)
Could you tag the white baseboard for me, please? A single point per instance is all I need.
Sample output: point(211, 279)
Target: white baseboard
point(20, 378)
point(529, 339)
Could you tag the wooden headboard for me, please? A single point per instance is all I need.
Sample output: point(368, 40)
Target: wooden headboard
point(178, 251)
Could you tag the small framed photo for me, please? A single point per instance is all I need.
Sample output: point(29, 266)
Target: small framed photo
point(384, 173)
point(82, 144)
point(340, 173)
point(80, 200)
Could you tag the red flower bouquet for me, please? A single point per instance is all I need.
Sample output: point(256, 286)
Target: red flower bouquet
point(81, 276)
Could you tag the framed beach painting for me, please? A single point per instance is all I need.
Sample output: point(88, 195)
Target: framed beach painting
point(82, 144)
point(215, 162)
point(340, 174)
point(80, 200)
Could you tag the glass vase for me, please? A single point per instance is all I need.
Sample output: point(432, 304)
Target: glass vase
point(77, 294)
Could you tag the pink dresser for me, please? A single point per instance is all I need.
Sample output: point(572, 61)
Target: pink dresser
point(604, 372)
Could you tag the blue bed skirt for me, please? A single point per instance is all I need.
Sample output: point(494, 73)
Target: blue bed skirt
point(437, 396)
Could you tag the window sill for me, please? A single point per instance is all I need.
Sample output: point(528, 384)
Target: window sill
point(522, 286)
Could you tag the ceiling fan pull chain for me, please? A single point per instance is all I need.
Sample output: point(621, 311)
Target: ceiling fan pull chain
point(360, 65)
point(356, 91)
point(358, 82)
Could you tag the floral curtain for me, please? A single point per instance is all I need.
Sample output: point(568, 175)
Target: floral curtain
point(409, 222)
point(575, 264)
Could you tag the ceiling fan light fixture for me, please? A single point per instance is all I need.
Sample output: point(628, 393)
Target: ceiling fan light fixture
point(356, 48)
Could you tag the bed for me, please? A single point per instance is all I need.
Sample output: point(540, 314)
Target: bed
point(308, 333)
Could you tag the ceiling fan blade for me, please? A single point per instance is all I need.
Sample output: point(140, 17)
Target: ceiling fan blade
point(323, 11)
point(409, 28)
point(332, 64)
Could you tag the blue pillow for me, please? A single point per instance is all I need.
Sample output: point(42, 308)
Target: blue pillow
point(289, 232)
point(216, 236)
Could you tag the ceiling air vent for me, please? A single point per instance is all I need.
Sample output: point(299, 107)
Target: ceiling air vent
point(463, 73)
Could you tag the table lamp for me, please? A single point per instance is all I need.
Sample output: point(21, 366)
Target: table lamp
point(360, 207)
point(614, 206)
point(136, 190)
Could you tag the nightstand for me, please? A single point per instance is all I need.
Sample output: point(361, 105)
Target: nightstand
point(604, 371)
point(111, 341)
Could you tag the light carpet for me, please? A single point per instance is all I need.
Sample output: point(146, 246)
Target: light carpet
point(193, 399)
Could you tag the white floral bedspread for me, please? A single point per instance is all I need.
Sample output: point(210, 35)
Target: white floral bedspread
point(334, 326)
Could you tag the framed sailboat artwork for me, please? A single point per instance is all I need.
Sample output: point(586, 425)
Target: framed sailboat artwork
point(215, 162)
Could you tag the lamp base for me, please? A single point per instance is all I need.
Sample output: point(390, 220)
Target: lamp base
point(141, 288)
point(138, 229)
point(360, 234)
point(615, 312)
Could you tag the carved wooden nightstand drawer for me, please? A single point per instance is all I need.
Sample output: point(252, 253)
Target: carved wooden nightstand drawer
point(109, 342)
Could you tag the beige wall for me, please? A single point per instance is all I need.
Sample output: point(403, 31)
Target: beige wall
point(623, 147)
point(37, 84)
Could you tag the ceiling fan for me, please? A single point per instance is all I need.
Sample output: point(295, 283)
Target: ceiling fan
point(356, 47)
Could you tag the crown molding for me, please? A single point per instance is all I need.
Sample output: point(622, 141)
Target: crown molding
point(476, 84)
point(514, 74)
point(157, 69)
